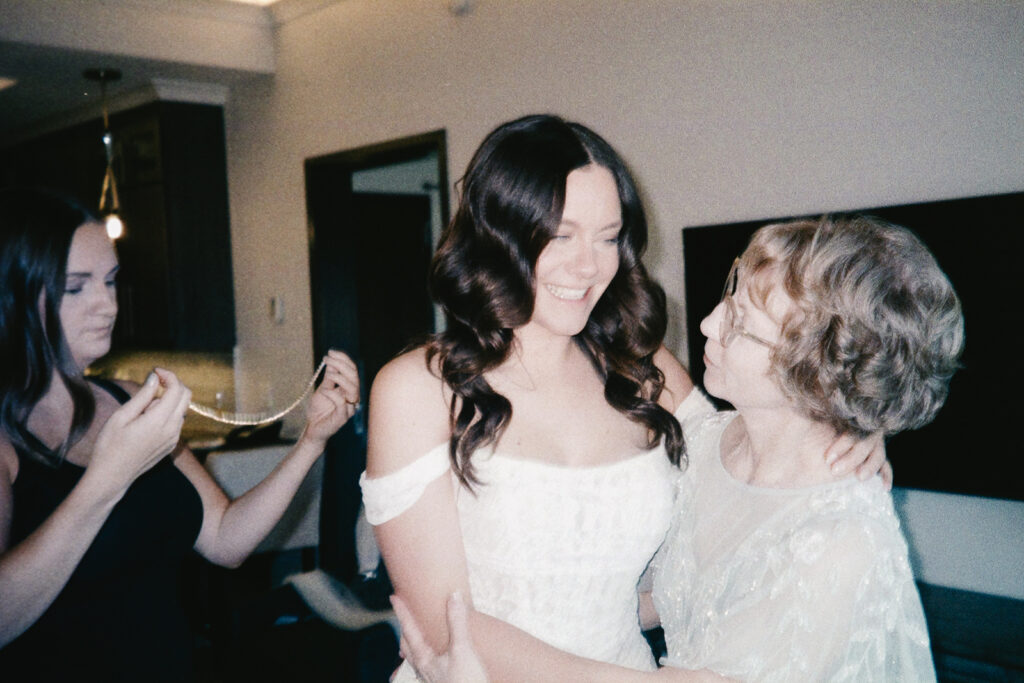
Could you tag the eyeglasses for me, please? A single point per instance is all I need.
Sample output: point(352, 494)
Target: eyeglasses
point(728, 329)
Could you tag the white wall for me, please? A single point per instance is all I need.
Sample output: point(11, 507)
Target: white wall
point(224, 36)
point(725, 110)
point(964, 541)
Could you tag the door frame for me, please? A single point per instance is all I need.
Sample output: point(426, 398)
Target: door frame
point(345, 455)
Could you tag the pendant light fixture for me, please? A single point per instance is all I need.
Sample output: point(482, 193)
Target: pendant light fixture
point(112, 218)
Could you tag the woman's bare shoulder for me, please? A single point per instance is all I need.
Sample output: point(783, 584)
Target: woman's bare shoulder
point(409, 376)
point(408, 412)
point(678, 383)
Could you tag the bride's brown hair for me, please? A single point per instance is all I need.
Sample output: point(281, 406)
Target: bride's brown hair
point(482, 275)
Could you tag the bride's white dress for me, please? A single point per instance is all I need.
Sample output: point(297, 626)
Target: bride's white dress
point(555, 551)
point(810, 584)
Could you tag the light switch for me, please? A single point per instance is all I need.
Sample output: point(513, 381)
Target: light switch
point(277, 310)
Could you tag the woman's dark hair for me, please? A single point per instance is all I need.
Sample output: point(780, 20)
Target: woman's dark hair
point(482, 275)
point(36, 228)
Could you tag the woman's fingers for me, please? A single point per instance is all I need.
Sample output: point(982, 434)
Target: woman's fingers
point(342, 373)
point(886, 474)
point(345, 376)
point(341, 358)
point(164, 414)
point(848, 453)
point(875, 461)
point(138, 403)
point(458, 622)
point(415, 646)
point(143, 430)
point(463, 664)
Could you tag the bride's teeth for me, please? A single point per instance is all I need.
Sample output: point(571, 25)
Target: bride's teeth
point(566, 293)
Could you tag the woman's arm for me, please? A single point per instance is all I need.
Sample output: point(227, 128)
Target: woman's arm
point(461, 664)
point(421, 547)
point(678, 383)
point(866, 457)
point(232, 529)
point(134, 438)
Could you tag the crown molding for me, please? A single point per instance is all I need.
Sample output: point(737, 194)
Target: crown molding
point(173, 90)
point(283, 11)
point(220, 10)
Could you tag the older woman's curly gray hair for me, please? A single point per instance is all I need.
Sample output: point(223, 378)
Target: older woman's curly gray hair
point(876, 331)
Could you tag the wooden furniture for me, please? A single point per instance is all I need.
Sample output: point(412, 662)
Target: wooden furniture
point(175, 288)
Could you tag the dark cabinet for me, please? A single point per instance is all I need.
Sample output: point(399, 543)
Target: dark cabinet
point(175, 286)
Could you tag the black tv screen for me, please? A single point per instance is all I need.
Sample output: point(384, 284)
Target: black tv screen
point(972, 447)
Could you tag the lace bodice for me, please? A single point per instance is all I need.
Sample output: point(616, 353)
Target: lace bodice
point(786, 584)
point(556, 551)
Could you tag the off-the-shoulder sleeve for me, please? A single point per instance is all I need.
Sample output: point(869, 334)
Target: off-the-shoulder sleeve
point(389, 496)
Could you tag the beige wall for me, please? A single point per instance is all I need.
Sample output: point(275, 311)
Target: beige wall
point(725, 110)
point(224, 36)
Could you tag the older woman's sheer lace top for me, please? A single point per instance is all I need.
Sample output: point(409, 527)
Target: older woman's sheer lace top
point(809, 584)
point(556, 551)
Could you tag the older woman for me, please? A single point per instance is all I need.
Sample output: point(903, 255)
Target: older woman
point(775, 568)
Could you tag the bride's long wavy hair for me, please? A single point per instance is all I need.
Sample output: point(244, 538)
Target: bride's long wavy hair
point(482, 275)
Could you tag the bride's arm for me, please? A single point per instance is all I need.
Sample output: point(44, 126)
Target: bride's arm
point(678, 383)
point(422, 546)
point(461, 664)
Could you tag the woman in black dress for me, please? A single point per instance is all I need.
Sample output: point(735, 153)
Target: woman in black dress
point(99, 502)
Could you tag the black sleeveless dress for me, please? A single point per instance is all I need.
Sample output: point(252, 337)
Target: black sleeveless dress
point(121, 616)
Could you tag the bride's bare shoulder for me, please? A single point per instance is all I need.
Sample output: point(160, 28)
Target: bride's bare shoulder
point(408, 412)
point(410, 374)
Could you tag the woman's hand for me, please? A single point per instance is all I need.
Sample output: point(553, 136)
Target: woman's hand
point(142, 431)
point(334, 402)
point(866, 456)
point(459, 665)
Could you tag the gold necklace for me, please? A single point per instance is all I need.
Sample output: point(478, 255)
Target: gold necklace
point(255, 419)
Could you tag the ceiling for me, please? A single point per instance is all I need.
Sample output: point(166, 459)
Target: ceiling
point(50, 91)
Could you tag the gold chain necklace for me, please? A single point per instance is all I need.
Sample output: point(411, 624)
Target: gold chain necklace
point(255, 419)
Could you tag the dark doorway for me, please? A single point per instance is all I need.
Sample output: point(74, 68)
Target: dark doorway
point(373, 214)
point(393, 246)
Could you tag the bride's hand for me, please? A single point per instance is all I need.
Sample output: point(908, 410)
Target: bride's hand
point(866, 456)
point(459, 665)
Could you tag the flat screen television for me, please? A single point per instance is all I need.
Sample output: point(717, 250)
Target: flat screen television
point(973, 447)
